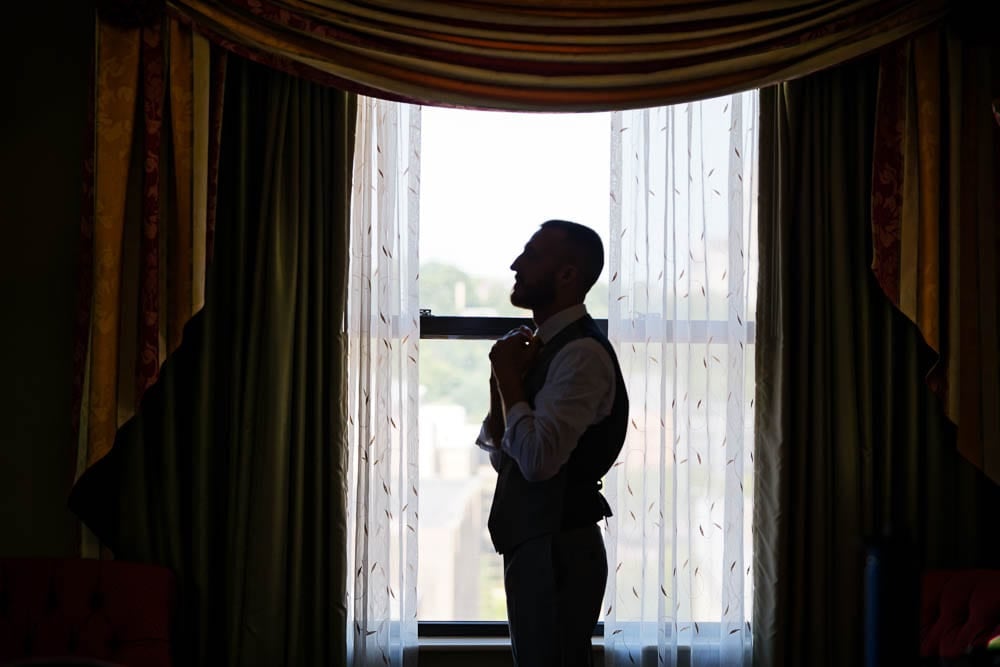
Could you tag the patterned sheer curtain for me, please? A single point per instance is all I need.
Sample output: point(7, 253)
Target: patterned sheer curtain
point(383, 339)
point(682, 262)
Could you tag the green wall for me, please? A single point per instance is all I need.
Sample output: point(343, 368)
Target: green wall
point(46, 49)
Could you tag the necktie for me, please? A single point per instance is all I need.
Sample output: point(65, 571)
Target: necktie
point(536, 343)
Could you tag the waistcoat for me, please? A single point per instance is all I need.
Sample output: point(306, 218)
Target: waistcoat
point(523, 510)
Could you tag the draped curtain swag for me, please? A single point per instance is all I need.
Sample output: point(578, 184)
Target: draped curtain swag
point(936, 198)
point(148, 222)
point(573, 55)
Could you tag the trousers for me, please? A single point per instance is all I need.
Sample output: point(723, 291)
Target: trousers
point(555, 587)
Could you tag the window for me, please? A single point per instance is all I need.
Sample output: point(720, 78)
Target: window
point(487, 180)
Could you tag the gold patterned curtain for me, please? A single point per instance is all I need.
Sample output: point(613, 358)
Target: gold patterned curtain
point(935, 206)
point(571, 55)
point(148, 216)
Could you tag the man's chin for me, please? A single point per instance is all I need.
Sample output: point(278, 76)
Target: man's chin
point(518, 301)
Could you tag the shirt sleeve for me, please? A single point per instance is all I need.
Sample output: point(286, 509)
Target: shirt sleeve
point(485, 442)
point(578, 392)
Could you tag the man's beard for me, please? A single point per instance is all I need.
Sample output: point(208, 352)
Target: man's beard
point(534, 296)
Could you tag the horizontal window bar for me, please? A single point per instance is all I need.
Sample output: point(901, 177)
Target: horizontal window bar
point(474, 328)
point(463, 629)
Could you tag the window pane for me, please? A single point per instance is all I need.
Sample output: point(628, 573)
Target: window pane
point(487, 180)
point(460, 575)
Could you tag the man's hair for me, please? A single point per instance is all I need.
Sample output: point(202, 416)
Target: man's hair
point(586, 250)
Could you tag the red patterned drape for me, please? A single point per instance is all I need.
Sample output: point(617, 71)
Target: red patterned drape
point(149, 180)
point(217, 81)
point(148, 362)
point(936, 217)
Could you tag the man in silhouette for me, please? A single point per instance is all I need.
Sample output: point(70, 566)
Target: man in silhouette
point(557, 421)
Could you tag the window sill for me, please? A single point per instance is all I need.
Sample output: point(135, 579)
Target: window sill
point(463, 644)
point(479, 651)
point(495, 651)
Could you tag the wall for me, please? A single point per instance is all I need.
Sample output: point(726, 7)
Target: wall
point(45, 49)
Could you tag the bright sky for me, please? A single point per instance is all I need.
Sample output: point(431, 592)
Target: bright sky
point(488, 179)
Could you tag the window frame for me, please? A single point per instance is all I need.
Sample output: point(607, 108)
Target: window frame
point(461, 327)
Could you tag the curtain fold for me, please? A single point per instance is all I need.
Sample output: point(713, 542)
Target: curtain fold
point(851, 447)
point(233, 472)
point(682, 263)
point(935, 214)
point(383, 334)
point(138, 281)
point(575, 55)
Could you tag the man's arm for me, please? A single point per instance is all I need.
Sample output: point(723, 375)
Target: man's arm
point(491, 433)
point(518, 352)
point(578, 392)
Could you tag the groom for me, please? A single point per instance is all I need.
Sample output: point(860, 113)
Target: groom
point(557, 421)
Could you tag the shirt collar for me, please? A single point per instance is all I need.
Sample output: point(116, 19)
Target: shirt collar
point(552, 326)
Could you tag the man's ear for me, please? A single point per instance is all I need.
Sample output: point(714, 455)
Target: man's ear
point(568, 274)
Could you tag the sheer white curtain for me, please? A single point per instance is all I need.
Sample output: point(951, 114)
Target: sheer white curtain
point(383, 340)
point(682, 271)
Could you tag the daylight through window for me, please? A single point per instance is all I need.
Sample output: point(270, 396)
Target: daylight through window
point(671, 192)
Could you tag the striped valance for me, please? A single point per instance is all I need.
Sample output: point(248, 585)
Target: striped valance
point(553, 55)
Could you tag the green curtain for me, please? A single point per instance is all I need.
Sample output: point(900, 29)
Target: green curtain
point(233, 471)
point(851, 446)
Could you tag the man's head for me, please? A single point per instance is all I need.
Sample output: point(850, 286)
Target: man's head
point(559, 265)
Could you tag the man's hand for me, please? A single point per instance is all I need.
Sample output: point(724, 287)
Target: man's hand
point(510, 357)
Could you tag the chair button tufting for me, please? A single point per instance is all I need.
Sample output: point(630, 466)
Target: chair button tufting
point(96, 600)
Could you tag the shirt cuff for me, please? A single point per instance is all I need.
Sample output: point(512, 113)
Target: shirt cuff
point(484, 441)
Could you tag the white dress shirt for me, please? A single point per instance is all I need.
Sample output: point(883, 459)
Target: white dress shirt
point(578, 392)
